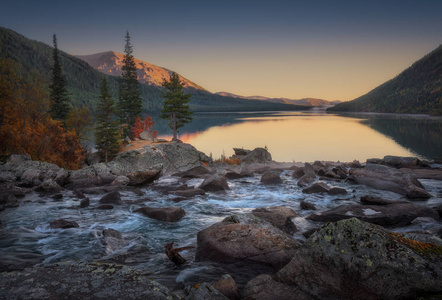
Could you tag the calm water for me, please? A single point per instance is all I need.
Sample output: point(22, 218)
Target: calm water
point(315, 135)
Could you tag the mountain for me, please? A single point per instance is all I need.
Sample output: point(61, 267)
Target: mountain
point(418, 89)
point(304, 101)
point(111, 62)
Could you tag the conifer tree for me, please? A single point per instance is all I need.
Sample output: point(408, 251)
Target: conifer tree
point(175, 107)
point(59, 107)
point(129, 99)
point(107, 129)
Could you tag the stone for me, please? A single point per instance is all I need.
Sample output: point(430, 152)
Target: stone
point(298, 173)
point(370, 200)
point(79, 194)
point(167, 214)
point(113, 240)
point(435, 174)
point(305, 181)
point(351, 259)
point(6, 176)
point(309, 170)
point(81, 280)
point(234, 175)
point(227, 286)
point(94, 158)
point(147, 136)
point(196, 172)
point(105, 206)
point(204, 291)
point(307, 205)
point(140, 178)
point(318, 187)
point(49, 186)
point(399, 213)
point(337, 191)
point(215, 183)
point(31, 177)
point(18, 158)
point(63, 224)
point(244, 237)
point(400, 162)
point(271, 177)
point(189, 193)
point(257, 155)
point(264, 287)
point(121, 180)
point(241, 151)
point(8, 201)
point(390, 179)
point(85, 202)
point(111, 198)
point(62, 177)
point(279, 216)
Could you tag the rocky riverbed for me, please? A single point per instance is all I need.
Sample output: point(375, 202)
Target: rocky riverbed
point(257, 230)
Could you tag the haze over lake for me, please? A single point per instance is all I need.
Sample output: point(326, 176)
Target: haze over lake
point(315, 135)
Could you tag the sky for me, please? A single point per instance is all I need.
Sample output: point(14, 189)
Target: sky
point(334, 50)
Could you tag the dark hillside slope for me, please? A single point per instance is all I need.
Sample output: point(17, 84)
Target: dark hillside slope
point(418, 89)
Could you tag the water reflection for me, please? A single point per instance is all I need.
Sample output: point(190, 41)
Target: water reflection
point(309, 136)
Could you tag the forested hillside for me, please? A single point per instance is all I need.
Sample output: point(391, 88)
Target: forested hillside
point(83, 81)
point(418, 89)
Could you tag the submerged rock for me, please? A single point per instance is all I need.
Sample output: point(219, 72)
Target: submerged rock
point(244, 237)
point(167, 214)
point(351, 259)
point(271, 177)
point(81, 280)
point(64, 224)
point(111, 198)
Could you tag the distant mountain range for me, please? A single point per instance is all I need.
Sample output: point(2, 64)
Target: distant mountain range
point(418, 89)
point(304, 101)
point(83, 81)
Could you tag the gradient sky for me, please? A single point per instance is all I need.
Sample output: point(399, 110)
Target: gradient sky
point(335, 50)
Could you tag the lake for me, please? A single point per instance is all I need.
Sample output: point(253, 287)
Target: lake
point(314, 135)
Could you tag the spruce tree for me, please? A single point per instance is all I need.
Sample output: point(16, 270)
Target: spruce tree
point(129, 99)
point(175, 107)
point(107, 128)
point(59, 107)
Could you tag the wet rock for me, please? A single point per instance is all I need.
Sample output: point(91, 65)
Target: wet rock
point(400, 162)
point(121, 180)
point(354, 164)
point(85, 202)
point(79, 194)
point(279, 216)
point(264, 287)
point(49, 186)
point(139, 178)
point(307, 205)
point(399, 213)
point(81, 280)
point(298, 173)
point(387, 178)
point(62, 177)
point(63, 224)
point(439, 210)
point(189, 193)
point(57, 197)
point(244, 237)
point(370, 200)
point(309, 232)
point(309, 170)
point(271, 177)
point(138, 192)
point(318, 187)
point(196, 172)
point(351, 259)
point(105, 206)
point(257, 155)
point(111, 198)
point(227, 286)
point(204, 291)
point(113, 240)
point(233, 175)
point(305, 181)
point(215, 183)
point(167, 214)
point(337, 191)
point(8, 201)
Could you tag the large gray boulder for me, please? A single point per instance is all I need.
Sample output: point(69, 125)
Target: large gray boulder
point(398, 213)
point(30, 172)
point(170, 158)
point(244, 237)
point(390, 179)
point(215, 183)
point(80, 280)
point(351, 259)
point(257, 155)
point(279, 216)
point(264, 287)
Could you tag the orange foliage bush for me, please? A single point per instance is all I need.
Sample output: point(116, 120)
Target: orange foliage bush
point(141, 126)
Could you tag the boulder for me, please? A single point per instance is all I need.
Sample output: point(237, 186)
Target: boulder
point(271, 177)
point(7, 176)
point(305, 181)
point(49, 186)
point(234, 175)
point(318, 187)
point(244, 237)
point(309, 170)
point(400, 162)
point(94, 158)
point(227, 286)
point(215, 183)
point(167, 214)
point(257, 155)
point(85, 202)
point(63, 224)
point(264, 287)
point(399, 213)
point(390, 179)
point(147, 136)
point(351, 259)
point(307, 205)
point(81, 280)
point(337, 191)
point(196, 172)
point(62, 177)
point(241, 151)
point(105, 206)
point(298, 173)
point(111, 198)
point(424, 173)
point(79, 194)
point(113, 240)
point(189, 193)
point(279, 216)
point(121, 180)
point(18, 158)
point(32, 177)
point(204, 291)
point(370, 200)
point(140, 178)
point(8, 201)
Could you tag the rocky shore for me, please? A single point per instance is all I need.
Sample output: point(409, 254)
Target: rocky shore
point(368, 247)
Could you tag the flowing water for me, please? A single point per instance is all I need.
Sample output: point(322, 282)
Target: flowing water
point(27, 239)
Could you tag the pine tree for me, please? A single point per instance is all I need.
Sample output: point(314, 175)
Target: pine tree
point(175, 108)
point(107, 129)
point(129, 99)
point(58, 93)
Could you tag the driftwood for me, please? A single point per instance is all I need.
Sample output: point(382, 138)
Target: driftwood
point(173, 254)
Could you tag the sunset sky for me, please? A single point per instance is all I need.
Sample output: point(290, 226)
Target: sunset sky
point(335, 50)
